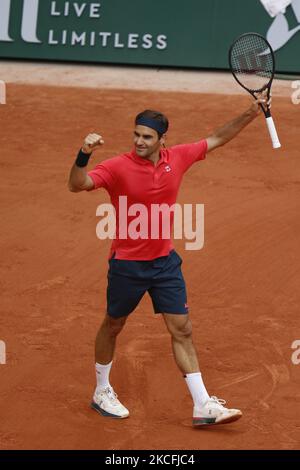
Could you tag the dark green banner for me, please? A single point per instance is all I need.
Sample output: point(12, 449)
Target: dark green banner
point(193, 33)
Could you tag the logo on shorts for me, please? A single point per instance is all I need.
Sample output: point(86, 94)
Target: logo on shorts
point(186, 306)
point(167, 168)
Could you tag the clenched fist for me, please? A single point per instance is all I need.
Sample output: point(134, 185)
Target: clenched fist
point(92, 142)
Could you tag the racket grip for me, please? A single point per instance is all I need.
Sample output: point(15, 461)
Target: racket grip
point(273, 133)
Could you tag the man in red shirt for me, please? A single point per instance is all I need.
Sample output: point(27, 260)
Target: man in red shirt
point(150, 175)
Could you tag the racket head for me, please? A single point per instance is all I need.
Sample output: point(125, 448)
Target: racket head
point(252, 62)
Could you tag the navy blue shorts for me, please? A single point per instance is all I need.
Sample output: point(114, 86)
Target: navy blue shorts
point(162, 278)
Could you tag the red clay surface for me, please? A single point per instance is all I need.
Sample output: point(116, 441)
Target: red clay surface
point(243, 286)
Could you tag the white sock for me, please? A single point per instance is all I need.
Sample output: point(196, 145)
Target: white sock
point(197, 389)
point(102, 375)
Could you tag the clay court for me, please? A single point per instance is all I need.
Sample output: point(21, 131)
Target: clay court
point(243, 286)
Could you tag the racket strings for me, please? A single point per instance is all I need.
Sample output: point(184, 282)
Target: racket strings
point(252, 62)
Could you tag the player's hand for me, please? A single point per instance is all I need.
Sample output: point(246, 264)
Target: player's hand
point(92, 142)
point(262, 99)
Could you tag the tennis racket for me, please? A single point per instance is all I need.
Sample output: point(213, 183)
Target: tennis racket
point(252, 64)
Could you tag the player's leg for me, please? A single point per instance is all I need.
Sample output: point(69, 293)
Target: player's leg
point(185, 355)
point(180, 328)
point(168, 293)
point(105, 400)
point(106, 338)
point(207, 410)
point(124, 292)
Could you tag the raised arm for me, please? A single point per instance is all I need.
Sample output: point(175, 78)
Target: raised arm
point(79, 180)
point(227, 132)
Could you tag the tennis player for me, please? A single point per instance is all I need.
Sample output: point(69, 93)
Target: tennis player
point(151, 174)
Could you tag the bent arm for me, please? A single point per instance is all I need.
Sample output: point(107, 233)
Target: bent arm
point(79, 180)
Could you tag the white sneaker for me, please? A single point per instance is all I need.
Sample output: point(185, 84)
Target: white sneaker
point(213, 412)
point(106, 402)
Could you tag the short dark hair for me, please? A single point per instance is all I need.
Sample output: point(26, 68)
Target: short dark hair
point(156, 116)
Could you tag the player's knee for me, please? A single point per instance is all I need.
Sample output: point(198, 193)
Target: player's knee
point(182, 331)
point(114, 325)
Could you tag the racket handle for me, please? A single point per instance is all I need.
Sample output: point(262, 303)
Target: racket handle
point(273, 133)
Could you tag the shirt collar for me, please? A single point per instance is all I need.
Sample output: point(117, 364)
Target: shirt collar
point(143, 161)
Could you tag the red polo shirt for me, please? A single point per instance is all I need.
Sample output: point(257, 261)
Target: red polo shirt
point(139, 229)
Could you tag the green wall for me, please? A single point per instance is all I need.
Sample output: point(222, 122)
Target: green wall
point(190, 33)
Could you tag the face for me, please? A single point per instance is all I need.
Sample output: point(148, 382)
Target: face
point(146, 141)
